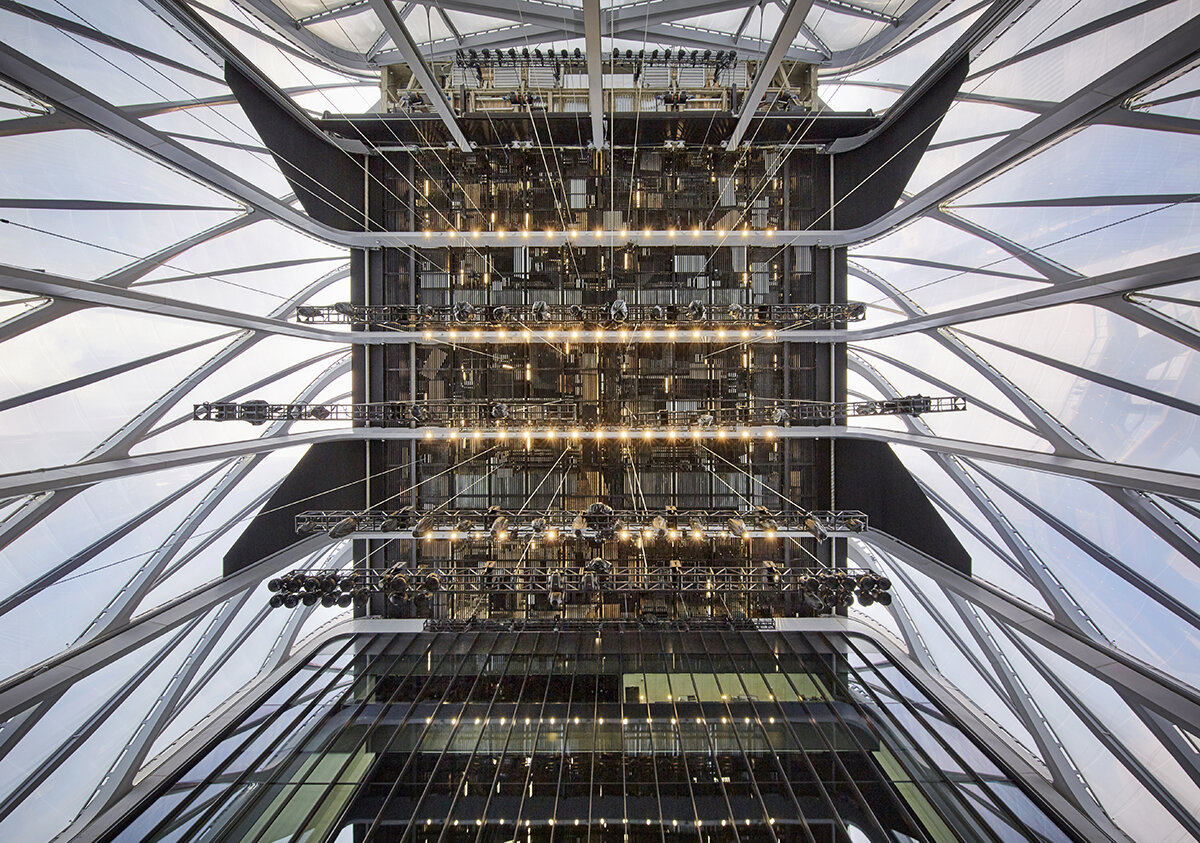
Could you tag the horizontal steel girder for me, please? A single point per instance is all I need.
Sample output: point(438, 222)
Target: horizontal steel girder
point(1162, 273)
point(1093, 470)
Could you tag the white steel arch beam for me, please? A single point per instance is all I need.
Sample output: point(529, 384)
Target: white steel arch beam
point(51, 676)
point(411, 53)
point(1093, 470)
point(1160, 692)
point(789, 28)
point(1107, 287)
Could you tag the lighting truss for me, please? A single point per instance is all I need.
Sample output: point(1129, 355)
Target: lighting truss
point(503, 415)
point(824, 589)
point(576, 60)
point(617, 315)
point(433, 413)
point(596, 524)
point(909, 405)
point(784, 414)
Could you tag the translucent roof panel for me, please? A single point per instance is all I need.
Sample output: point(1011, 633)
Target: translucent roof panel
point(1050, 278)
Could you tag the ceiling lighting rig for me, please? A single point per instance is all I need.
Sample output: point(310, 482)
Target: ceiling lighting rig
point(784, 414)
point(617, 314)
point(595, 525)
point(470, 419)
point(576, 60)
point(822, 589)
point(454, 414)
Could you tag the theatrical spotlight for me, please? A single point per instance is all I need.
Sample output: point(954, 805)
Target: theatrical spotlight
point(814, 526)
point(540, 311)
point(697, 311)
point(737, 527)
point(618, 311)
point(499, 528)
point(394, 585)
point(423, 527)
point(343, 528)
point(463, 310)
point(658, 528)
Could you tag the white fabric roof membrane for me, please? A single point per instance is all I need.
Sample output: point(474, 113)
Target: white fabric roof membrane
point(1107, 374)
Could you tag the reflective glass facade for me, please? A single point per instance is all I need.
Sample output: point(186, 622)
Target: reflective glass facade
point(604, 733)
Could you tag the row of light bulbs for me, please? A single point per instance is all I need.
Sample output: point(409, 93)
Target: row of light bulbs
point(574, 233)
point(623, 434)
point(552, 534)
point(580, 335)
point(604, 823)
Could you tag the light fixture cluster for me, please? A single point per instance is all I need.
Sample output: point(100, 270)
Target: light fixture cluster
point(821, 589)
point(327, 587)
point(613, 316)
point(577, 59)
point(827, 590)
point(597, 524)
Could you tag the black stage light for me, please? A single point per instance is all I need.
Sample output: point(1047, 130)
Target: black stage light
point(540, 311)
point(423, 527)
point(498, 411)
point(618, 311)
point(276, 601)
point(697, 310)
point(737, 312)
point(343, 528)
point(291, 601)
point(577, 312)
point(390, 523)
point(780, 416)
point(499, 528)
point(737, 527)
point(310, 599)
point(432, 582)
point(274, 584)
point(256, 411)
